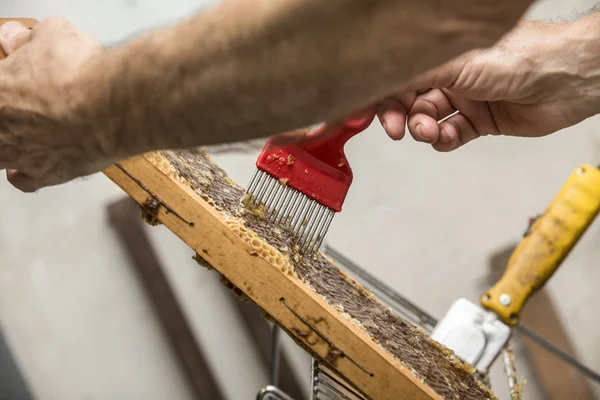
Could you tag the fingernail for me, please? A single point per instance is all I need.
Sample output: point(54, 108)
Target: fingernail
point(419, 132)
point(383, 123)
point(445, 136)
point(10, 29)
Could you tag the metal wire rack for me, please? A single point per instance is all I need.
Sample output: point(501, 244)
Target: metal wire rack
point(272, 393)
point(325, 385)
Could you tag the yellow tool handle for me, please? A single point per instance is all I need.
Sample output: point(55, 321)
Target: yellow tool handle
point(548, 241)
point(28, 22)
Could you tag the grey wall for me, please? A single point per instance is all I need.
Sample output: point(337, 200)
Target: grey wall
point(80, 327)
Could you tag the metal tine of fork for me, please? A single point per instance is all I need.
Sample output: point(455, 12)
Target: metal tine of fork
point(293, 208)
point(318, 217)
point(301, 224)
point(310, 224)
point(295, 214)
point(299, 215)
point(254, 187)
point(274, 204)
point(282, 203)
point(323, 231)
point(313, 245)
point(319, 228)
point(288, 210)
point(282, 216)
point(320, 232)
point(267, 201)
point(263, 185)
point(306, 220)
point(253, 181)
point(311, 219)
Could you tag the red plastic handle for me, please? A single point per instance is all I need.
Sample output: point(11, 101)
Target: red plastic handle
point(327, 143)
point(317, 166)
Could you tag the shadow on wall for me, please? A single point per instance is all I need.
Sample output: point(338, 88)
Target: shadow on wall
point(12, 384)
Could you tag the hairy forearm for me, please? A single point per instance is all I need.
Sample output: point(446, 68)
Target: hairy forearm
point(579, 59)
point(246, 69)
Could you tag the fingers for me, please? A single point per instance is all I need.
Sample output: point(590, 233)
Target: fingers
point(13, 35)
point(455, 132)
point(392, 113)
point(30, 183)
point(478, 113)
point(22, 181)
point(432, 120)
point(425, 113)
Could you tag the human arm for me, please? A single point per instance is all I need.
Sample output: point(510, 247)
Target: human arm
point(291, 64)
point(240, 70)
point(540, 78)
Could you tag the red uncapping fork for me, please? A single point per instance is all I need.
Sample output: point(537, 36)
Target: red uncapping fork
point(302, 185)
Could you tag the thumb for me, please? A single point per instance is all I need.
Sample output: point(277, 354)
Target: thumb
point(13, 35)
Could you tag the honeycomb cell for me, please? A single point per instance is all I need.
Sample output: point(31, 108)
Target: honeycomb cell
point(261, 248)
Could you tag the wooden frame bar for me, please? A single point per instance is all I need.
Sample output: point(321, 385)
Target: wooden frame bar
point(321, 328)
point(265, 285)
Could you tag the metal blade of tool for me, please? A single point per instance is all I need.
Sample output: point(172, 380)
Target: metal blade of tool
point(475, 335)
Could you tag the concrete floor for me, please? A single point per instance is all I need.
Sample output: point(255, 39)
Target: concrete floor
point(80, 327)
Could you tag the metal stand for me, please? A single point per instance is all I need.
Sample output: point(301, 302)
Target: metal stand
point(325, 385)
point(272, 393)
